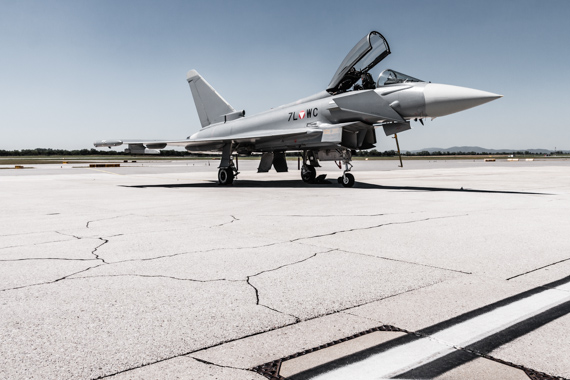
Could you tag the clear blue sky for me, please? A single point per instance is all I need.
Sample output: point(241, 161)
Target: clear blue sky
point(72, 72)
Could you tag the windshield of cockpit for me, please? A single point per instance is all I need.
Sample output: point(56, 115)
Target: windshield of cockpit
point(367, 53)
point(378, 47)
point(393, 77)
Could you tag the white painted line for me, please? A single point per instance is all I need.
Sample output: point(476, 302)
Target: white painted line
point(408, 356)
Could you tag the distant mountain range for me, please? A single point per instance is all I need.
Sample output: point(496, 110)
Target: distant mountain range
point(478, 149)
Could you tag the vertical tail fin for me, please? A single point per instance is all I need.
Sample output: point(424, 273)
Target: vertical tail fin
point(210, 105)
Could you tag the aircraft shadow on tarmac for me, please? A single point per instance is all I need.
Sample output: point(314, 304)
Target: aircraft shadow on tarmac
point(330, 184)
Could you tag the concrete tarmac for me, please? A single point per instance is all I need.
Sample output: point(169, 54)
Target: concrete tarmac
point(153, 271)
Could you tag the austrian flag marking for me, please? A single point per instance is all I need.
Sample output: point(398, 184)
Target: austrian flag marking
point(309, 113)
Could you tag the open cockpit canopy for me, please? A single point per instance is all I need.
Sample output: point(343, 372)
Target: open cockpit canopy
point(367, 53)
point(389, 76)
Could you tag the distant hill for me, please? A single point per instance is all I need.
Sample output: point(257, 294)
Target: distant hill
point(478, 149)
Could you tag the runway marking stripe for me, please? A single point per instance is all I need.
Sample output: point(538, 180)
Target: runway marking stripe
point(408, 356)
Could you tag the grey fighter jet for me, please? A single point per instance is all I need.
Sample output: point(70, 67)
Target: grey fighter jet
point(328, 126)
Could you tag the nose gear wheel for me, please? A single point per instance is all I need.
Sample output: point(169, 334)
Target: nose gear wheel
point(347, 180)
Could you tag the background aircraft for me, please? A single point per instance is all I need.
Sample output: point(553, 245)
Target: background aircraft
point(327, 126)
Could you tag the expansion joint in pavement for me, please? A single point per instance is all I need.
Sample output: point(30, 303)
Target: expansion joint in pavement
point(539, 268)
point(215, 364)
point(405, 261)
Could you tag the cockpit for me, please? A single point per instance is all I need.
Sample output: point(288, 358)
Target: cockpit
point(354, 71)
point(394, 77)
point(366, 54)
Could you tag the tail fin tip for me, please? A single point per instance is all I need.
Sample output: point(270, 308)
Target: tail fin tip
point(191, 75)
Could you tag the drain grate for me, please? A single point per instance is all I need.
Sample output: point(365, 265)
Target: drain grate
point(271, 370)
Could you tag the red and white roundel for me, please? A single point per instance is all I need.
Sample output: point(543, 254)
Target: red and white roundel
point(301, 114)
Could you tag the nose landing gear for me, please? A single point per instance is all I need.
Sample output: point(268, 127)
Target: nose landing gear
point(347, 179)
point(310, 161)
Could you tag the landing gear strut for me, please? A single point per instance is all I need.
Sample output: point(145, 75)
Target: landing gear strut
point(227, 170)
point(347, 179)
point(308, 171)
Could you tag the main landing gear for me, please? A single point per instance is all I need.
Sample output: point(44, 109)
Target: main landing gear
point(226, 176)
point(227, 170)
point(309, 173)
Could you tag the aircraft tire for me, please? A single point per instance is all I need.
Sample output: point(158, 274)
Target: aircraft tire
point(225, 176)
point(308, 173)
point(348, 180)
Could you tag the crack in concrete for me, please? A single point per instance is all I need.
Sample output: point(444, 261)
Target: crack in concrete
point(537, 269)
point(33, 245)
point(69, 235)
point(27, 233)
point(152, 276)
point(202, 251)
point(100, 220)
point(295, 240)
point(257, 301)
point(93, 252)
point(46, 258)
point(226, 223)
point(289, 264)
point(51, 282)
point(105, 241)
point(375, 226)
point(97, 257)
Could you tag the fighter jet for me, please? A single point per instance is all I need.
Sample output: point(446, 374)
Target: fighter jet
point(328, 126)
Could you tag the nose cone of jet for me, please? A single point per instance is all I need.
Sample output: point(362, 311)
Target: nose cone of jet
point(443, 99)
